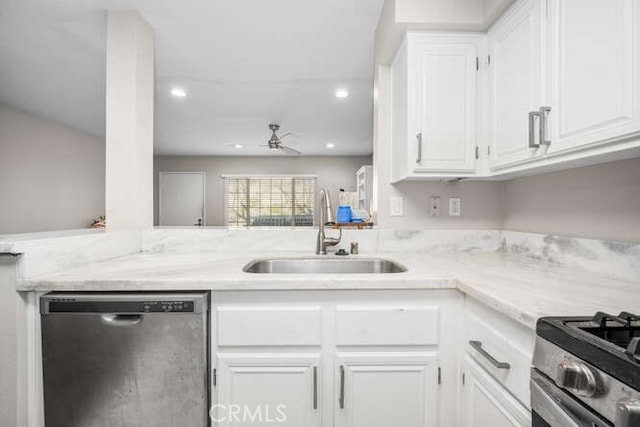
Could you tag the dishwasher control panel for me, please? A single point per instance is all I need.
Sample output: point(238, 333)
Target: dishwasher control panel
point(70, 305)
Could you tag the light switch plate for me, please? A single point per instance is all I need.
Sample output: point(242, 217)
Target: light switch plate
point(454, 206)
point(395, 207)
point(434, 206)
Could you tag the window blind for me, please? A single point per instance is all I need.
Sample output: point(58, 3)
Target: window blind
point(269, 201)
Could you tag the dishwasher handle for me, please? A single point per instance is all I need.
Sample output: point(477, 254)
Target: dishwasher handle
point(121, 319)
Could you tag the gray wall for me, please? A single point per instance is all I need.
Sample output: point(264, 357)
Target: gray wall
point(481, 205)
point(333, 173)
point(600, 202)
point(51, 176)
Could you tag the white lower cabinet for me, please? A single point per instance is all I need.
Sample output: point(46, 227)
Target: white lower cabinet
point(496, 369)
point(265, 389)
point(387, 389)
point(335, 358)
point(404, 358)
point(485, 402)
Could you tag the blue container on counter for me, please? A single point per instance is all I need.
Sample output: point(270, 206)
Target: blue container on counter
point(344, 214)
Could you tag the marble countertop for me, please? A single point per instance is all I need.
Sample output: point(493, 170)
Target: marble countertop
point(521, 288)
point(14, 242)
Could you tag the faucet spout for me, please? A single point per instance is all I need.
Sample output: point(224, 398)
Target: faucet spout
point(325, 218)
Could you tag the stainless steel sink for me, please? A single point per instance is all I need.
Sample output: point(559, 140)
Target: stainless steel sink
point(324, 265)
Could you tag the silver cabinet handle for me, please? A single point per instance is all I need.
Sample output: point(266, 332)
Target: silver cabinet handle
point(419, 138)
point(341, 399)
point(532, 126)
point(544, 112)
point(478, 346)
point(315, 388)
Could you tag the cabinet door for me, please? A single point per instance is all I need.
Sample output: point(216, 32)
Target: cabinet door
point(445, 106)
point(266, 389)
point(516, 69)
point(595, 71)
point(386, 389)
point(486, 403)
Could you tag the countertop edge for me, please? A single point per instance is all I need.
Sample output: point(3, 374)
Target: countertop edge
point(474, 291)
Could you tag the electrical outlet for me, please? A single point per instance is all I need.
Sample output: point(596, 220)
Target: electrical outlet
point(434, 206)
point(395, 207)
point(454, 206)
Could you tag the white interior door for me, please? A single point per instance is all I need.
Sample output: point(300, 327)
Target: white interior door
point(182, 199)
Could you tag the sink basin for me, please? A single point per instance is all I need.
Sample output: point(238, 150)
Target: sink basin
point(317, 265)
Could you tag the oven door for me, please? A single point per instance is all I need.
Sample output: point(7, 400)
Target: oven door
point(554, 407)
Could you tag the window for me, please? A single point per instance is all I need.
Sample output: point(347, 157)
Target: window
point(269, 201)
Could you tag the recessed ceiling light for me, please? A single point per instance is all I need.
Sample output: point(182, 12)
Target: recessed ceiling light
point(178, 92)
point(239, 146)
point(341, 93)
point(330, 145)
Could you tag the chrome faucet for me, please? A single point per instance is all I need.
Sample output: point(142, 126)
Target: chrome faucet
point(326, 218)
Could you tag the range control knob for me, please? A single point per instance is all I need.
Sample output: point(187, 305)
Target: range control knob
point(577, 378)
point(628, 413)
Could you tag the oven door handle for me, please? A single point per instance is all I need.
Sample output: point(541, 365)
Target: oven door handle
point(558, 408)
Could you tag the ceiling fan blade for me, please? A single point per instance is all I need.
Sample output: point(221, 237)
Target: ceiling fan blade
point(289, 134)
point(289, 150)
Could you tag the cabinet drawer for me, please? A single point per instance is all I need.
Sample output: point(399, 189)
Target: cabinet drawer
point(269, 326)
point(387, 325)
point(490, 335)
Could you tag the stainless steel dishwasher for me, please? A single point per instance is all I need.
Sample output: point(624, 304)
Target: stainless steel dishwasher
point(125, 359)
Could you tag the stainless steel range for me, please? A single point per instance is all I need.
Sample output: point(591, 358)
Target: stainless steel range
point(586, 371)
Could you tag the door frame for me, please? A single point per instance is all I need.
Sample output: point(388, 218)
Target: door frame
point(204, 194)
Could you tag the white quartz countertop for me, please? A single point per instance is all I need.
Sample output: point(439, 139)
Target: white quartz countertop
point(521, 288)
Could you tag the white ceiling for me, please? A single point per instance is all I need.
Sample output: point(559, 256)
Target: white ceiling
point(244, 64)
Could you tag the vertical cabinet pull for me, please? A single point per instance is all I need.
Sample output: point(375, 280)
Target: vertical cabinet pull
point(544, 112)
point(419, 138)
point(315, 388)
point(532, 127)
point(341, 398)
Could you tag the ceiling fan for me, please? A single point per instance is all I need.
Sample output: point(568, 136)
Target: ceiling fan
point(275, 142)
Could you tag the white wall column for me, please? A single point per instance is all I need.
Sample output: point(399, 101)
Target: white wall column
point(129, 133)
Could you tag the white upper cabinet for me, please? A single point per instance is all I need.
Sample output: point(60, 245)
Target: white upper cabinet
point(565, 84)
point(516, 65)
point(554, 84)
point(434, 96)
point(594, 73)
